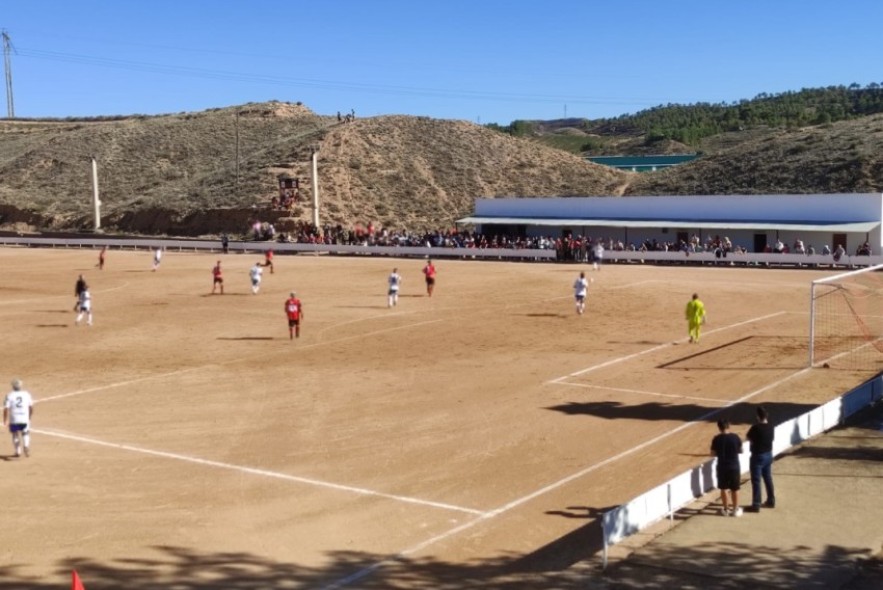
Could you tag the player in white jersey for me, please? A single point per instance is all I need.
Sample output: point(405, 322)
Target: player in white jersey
point(17, 411)
point(597, 255)
point(395, 281)
point(256, 273)
point(157, 258)
point(84, 307)
point(580, 288)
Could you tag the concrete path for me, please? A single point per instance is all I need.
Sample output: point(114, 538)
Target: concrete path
point(826, 531)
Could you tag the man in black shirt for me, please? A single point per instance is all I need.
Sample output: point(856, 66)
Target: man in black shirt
point(727, 447)
point(761, 435)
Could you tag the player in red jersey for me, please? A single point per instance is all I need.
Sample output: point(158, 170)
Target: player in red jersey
point(429, 271)
point(294, 310)
point(268, 259)
point(101, 257)
point(217, 278)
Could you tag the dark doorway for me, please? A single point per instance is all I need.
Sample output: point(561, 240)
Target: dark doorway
point(760, 242)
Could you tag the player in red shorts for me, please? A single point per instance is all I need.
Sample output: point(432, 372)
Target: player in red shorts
point(268, 259)
point(217, 278)
point(294, 310)
point(429, 271)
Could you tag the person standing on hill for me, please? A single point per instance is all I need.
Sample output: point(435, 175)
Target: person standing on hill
point(695, 313)
point(429, 273)
point(760, 465)
point(727, 447)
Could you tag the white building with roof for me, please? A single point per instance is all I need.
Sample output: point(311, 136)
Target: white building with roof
point(751, 221)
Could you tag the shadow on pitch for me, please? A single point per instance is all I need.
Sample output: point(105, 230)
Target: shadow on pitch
point(52, 325)
point(245, 338)
point(739, 414)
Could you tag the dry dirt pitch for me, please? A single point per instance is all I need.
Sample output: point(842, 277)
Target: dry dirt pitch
point(183, 441)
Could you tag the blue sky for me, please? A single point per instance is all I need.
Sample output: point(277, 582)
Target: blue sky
point(480, 60)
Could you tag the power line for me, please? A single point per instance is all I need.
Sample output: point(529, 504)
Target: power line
point(192, 72)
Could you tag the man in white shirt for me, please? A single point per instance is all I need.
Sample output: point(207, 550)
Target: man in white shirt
point(598, 255)
point(84, 307)
point(256, 272)
point(395, 281)
point(580, 288)
point(157, 257)
point(17, 411)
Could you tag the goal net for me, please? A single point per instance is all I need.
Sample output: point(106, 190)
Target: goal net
point(846, 320)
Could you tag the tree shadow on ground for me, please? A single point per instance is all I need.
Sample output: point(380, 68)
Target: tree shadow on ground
point(687, 412)
point(719, 565)
point(738, 565)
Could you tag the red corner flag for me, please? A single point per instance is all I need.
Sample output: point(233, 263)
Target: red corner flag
point(76, 584)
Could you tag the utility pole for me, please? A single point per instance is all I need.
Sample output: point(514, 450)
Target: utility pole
point(96, 202)
point(314, 155)
point(237, 151)
point(7, 62)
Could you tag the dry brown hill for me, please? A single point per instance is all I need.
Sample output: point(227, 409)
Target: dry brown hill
point(178, 173)
point(841, 157)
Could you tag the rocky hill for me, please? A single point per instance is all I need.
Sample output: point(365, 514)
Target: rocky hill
point(207, 172)
point(179, 174)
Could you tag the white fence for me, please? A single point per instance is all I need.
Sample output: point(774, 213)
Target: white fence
point(663, 501)
point(610, 256)
point(279, 247)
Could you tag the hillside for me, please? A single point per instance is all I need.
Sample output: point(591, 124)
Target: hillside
point(178, 173)
point(842, 157)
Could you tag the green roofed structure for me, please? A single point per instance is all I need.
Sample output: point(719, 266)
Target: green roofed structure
point(642, 163)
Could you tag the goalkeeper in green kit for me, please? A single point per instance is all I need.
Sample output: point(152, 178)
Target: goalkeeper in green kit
point(695, 317)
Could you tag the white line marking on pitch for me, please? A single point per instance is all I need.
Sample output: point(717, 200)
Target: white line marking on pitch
point(261, 472)
point(642, 392)
point(553, 486)
point(118, 384)
point(220, 363)
point(621, 359)
point(32, 299)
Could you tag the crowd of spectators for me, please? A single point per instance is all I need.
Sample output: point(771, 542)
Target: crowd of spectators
point(568, 247)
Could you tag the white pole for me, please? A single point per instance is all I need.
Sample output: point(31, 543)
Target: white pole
point(316, 187)
point(96, 202)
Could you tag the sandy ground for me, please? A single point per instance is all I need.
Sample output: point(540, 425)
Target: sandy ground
point(461, 440)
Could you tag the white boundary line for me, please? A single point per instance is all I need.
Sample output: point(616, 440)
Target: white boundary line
point(261, 472)
point(221, 363)
point(553, 486)
point(31, 300)
point(615, 361)
point(642, 392)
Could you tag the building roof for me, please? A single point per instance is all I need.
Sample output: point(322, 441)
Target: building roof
point(795, 225)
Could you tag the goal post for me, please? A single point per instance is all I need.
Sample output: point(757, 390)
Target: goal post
point(846, 319)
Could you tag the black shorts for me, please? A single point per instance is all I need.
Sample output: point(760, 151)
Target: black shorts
point(292, 323)
point(430, 280)
point(729, 479)
point(219, 280)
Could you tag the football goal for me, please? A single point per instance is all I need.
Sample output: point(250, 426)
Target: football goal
point(846, 320)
